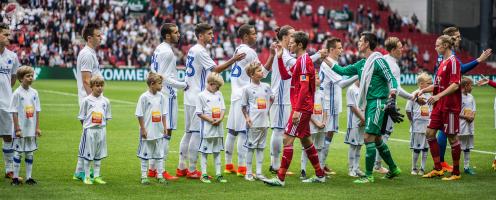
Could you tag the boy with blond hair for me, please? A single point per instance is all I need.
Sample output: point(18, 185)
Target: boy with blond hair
point(210, 109)
point(25, 108)
point(255, 102)
point(419, 119)
point(93, 114)
point(151, 112)
point(467, 116)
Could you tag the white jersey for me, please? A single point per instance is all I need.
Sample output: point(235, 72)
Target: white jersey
point(332, 91)
point(468, 107)
point(164, 63)
point(8, 67)
point(420, 114)
point(352, 99)
point(87, 61)
point(153, 110)
point(318, 111)
point(396, 71)
point(239, 78)
point(198, 65)
point(211, 104)
point(26, 103)
point(279, 87)
point(257, 99)
point(94, 111)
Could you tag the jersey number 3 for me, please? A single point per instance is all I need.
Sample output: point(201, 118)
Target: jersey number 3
point(190, 71)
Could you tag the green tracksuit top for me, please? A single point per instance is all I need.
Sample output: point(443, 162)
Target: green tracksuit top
point(382, 78)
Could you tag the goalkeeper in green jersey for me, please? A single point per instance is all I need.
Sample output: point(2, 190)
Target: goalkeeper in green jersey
point(377, 100)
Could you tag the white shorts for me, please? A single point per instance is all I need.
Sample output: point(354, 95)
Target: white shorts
point(354, 136)
point(171, 118)
point(332, 123)
point(6, 123)
point(318, 140)
point(191, 120)
point(279, 115)
point(25, 144)
point(151, 149)
point(418, 141)
point(211, 145)
point(466, 141)
point(389, 125)
point(93, 145)
point(256, 137)
point(236, 120)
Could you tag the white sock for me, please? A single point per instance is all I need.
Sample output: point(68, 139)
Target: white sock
point(183, 151)
point(321, 158)
point(260, 157)
point(351, 157)
point(415, 156)
point(325, 151)
point(194, 145)
point(166, 153)
point(96, 169)
point(217, 164)
point(319, 153)
point(378, 160)
point(304, 160)
point(79, 165)
point(466, 159)
point(17, 164)
point(29, 164)
point(230, 139)
point(275, 147)
point(144, 167)
point(203, 164)
point(86, 168)
point(242, 149)
point(424, 158)
point(249, 161)
point(357, 157)
point(160, 167)
point(8, 154)
point(152, 164)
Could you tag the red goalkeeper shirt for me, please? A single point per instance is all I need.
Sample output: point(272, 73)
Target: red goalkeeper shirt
point(302, 89)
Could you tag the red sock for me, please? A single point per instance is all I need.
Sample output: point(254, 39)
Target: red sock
point(455, 154)
point(434, 147)
point(314, 159)
point(287, 156)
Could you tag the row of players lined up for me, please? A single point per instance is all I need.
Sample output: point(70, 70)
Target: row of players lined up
point(203, 118)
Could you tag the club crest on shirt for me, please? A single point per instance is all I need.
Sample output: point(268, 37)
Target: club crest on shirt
point(303, 78)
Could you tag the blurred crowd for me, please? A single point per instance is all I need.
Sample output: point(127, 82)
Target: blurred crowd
point(49, 33)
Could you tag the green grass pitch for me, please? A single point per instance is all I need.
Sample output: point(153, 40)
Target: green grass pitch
point(55, 160)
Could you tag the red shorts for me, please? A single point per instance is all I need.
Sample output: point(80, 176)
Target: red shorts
point(300, 130)
point(448, 121)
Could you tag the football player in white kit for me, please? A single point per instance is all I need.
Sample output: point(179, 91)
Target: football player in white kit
point(164, 63)
point(87, 66)
point(235, 121)
point(198, 65)
point(281, 108)
point(332, 84)
point(8, 66)
point(394, 47)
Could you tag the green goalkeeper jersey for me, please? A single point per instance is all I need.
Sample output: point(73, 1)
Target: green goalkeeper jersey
point(382, 78)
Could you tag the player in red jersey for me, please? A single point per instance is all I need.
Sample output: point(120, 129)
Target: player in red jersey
point(447, 100)
point(302, 98)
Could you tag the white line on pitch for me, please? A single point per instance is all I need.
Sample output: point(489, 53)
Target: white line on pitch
point(407, 141)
